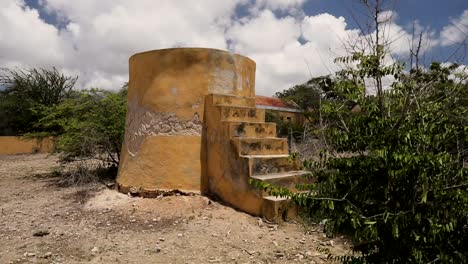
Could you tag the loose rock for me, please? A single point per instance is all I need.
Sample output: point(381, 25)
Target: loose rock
point(279, 254)
point(41, 233)
point(260, 222)
point(95, 250)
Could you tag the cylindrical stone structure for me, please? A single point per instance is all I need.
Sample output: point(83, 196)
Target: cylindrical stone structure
point(164, 146)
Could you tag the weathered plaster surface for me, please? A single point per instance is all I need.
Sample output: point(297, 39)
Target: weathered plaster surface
point(231, 74)
point(163, 162)
point(164, 142)
point(18, 145)
point(142, 122)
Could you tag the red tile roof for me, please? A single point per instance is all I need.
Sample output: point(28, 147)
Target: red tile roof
point(272, 101)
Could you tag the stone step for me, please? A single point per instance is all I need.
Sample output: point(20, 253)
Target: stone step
point(241, 113)
point(287, 179)
point(223, 99)
point(260, 146)
point(267, 164)
point(251, 130)
point(278, 209)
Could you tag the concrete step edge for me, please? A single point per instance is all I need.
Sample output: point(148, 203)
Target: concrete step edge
point(275, 198)
point(271, 176)
point(271, 156)
point(258, 138)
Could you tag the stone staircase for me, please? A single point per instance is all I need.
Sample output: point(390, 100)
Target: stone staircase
point(241, 146)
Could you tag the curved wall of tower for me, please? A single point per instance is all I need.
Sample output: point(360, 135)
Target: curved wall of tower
point(164, 146)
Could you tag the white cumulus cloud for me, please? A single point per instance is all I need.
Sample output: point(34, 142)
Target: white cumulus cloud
point(96, 38)
point(25, 39)
point(457, 31)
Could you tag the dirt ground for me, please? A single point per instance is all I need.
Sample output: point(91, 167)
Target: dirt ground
point(43, 223)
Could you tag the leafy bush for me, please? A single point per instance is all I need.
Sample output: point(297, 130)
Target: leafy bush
point(307, 95)
point(90, 125)
point(27, 90)
point(285, 129)
point(397, 179)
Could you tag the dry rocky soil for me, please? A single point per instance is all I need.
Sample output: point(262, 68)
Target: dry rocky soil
point(41, 222)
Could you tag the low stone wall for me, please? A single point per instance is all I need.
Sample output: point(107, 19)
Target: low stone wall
point(10, 145)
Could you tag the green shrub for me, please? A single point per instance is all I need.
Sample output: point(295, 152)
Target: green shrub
point(90, 125)
point(27, 90)
point(396, 181)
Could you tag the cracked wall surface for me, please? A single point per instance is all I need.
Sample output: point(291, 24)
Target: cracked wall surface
point(164, 142)
point(142, 122)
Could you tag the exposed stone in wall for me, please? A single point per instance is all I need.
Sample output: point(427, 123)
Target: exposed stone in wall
point(142, 122)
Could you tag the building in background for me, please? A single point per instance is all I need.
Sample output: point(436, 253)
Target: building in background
point(278, 110)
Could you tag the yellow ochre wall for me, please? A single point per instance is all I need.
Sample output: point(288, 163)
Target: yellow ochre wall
point(163, 146)
point(19, 145)
point(294, 117)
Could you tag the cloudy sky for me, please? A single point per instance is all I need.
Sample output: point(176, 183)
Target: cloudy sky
point(290, 40)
